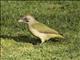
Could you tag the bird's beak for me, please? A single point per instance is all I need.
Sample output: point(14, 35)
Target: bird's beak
point(20, 20)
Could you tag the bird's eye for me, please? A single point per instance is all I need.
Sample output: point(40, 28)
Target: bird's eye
point(25, 19)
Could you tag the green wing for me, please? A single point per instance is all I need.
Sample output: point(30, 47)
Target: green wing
point(43, 28)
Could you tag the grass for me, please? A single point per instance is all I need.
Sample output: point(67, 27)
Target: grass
point(17, 43)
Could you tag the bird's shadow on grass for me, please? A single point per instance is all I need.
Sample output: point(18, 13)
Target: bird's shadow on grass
point(27, 39)
point(22, 38)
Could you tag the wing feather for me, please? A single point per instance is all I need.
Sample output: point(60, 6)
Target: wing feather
point(44, 29)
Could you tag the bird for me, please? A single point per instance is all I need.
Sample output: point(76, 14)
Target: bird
point(39, 29)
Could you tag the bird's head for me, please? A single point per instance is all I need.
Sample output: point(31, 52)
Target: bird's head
point(27, 19)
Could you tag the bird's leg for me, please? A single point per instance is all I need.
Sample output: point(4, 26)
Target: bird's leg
point(42, 41)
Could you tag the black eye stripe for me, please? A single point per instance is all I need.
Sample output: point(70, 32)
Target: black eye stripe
point(25, 18)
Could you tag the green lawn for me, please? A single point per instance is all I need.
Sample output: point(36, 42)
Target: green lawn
point(17, 43)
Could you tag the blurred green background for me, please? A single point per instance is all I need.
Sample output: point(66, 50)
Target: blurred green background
point(17, 41)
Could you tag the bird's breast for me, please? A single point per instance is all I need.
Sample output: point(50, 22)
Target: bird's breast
point(36, 32)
